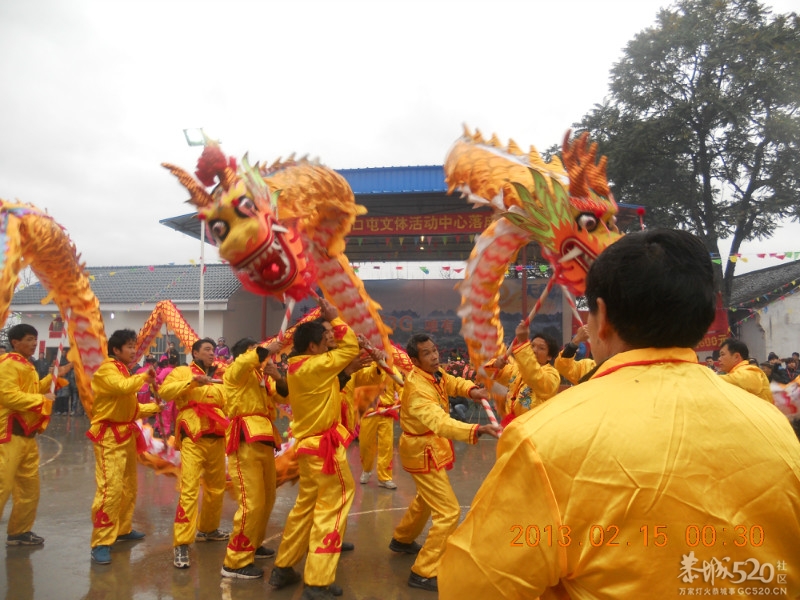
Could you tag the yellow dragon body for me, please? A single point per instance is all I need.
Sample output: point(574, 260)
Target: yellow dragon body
point(30, 236)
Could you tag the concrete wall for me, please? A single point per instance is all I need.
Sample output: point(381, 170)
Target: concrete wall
point(776, 328)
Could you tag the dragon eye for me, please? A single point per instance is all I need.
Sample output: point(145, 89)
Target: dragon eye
point(245, 207)
point(587, 221)
point(218, 230)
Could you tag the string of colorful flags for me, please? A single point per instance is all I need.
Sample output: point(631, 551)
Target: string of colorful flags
point(779, 293)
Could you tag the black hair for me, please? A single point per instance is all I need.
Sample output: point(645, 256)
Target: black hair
point(552, 346)
point(199, 344)
point(306, 334)
point(119, 338)
point(242, 346)
point(657, 286)
point(737, 347)
point(17, 332)
point(414, 342)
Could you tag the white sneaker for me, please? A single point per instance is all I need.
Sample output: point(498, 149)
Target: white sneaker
point(388, 484)
point(365, 476)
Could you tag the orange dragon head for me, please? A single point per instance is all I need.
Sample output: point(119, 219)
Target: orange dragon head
point(241, 217)
point(582, 218)
point(567, 208)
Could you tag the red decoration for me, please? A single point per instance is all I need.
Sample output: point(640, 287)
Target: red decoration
point(211, 162)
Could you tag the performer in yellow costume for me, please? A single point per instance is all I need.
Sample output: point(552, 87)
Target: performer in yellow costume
point(316, 524)
point(117, 439)
point(427, 452)
point(530, 378)
point(352, 376)
point(733, 359)
point(377, 430)
point(25, 406)
point(566, 365)
point(200, 436)
point(251, 442)
point(634, 482)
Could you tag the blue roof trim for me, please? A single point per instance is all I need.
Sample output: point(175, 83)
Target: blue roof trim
point(395, 180)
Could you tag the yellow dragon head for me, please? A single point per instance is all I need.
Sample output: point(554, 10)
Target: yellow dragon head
point(241, 217)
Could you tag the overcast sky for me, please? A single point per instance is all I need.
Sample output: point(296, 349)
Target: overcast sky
point(95, 95)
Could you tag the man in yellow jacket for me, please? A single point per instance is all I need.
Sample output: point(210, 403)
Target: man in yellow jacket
point(25, 406)
point(377, 429)
point(734, 360)
point(200, 436)
point(316, 524)
point(117, 439)
point(251, 442)
point(566, 365)
point(635, 481)
point(530, 377)
point(426, 451)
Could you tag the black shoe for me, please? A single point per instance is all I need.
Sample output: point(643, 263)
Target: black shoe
point(412, 548)
point(348, 547)
point(424, 583)
point(132, 535)
point(262, 552)
point(283, 576)
point(246, 572)
point(26, 539)
point(317, 592)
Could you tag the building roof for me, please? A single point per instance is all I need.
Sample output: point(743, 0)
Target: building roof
point(149, 284)
point(395, 180)
point(765, 285)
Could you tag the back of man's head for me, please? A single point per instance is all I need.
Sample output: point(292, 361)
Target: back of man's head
point(657, 286)
point(242, 346)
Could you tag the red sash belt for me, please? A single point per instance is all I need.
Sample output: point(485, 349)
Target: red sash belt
point(385, 412)
point(122, 432)
point(208, 410)
point(508, 418)
point(329, 441)
point(236, 431)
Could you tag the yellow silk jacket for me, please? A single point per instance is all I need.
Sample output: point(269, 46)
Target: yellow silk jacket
point(751, 378)
point(249, 402)
point(22, 396)
point(352, 394)
point(573, 370)
point(529, 383)
point(314, 391)
point(199, 407)
point(426, 423)
point(608, 492)
point(391, 392)
point(115, 403)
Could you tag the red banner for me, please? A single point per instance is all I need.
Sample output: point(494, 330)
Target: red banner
point(438, 224)
point(718, 331)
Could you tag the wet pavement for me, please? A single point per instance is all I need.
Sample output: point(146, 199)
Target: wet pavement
point(61, 569)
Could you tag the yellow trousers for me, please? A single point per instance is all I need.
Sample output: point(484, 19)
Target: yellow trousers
point(204, 459)
point(252, 469)
point(435, 498)
point(19, 478)
point(377, 431)
point(115, 497)
point(317, 523)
